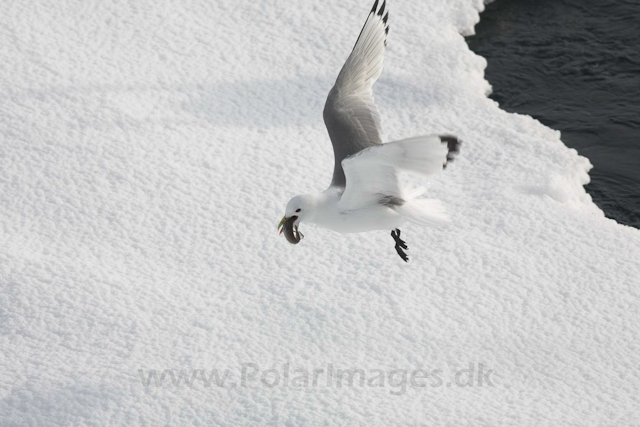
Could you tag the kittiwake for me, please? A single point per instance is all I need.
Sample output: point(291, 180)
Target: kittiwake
point(365, 192)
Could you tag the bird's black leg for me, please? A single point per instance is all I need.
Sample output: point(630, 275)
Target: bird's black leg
point(400, 244)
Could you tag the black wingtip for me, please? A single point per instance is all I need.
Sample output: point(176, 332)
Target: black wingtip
point(375, 11)
point(453, 146)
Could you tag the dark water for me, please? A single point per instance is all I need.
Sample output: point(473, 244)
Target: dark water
point(575, 66)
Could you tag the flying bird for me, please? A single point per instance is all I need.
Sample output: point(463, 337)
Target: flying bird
point(365, 192)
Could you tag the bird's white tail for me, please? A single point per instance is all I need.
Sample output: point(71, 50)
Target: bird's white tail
point(370, 168)
point(424, 155)
point(429, 212)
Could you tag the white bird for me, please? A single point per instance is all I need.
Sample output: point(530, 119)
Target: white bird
point(365, 193)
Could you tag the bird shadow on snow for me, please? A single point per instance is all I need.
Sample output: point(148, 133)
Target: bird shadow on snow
point(264, 104)
point(293, 102)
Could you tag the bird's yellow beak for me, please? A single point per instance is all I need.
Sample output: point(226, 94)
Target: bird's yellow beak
point(280, 226)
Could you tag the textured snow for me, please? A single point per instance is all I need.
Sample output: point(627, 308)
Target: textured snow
point(147, 152)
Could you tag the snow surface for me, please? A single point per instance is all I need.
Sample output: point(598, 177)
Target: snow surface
point(147, 152)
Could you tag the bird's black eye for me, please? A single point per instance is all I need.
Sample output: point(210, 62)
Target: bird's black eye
point(298, 210)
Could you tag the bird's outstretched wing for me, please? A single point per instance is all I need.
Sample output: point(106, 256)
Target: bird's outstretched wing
point(372, 173)
point(350, 113)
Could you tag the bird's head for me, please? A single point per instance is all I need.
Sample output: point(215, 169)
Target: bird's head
point(299, 208)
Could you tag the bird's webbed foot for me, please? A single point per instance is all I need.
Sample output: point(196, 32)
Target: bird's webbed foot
point(400, 244)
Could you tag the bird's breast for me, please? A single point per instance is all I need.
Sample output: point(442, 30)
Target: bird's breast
point(376, 217)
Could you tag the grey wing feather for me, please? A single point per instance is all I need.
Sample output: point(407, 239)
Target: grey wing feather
point(350, 113)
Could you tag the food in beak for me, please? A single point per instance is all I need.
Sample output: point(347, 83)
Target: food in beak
point(290, 229)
